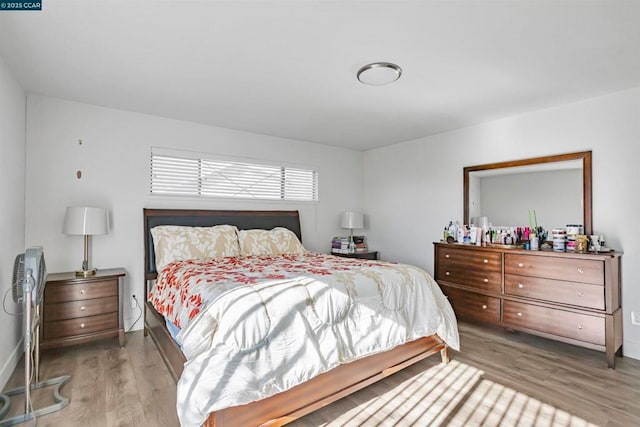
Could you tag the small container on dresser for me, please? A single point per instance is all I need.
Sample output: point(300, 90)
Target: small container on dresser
point(81, 309)
point(569, 297)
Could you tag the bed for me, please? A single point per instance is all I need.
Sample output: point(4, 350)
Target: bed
point(302, 398)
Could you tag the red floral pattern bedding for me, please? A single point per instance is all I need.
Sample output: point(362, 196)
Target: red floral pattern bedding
point(184, 286)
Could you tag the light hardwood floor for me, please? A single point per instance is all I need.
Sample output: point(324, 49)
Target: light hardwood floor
point(499, 378)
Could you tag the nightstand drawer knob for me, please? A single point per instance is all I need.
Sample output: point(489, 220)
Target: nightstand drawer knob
point(579, 326)
point(520, 265)
point(82, 325)
point(580, 271)
point(447, 273)
point(83, 291)
point(520, 286)
point(486, 261)
point(519, 314)
point(486, 280)
point(484, 306)
point(580, 294)
point(83, 308)
point(447, 256)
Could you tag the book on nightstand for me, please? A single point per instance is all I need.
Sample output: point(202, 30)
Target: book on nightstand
point(340, 245)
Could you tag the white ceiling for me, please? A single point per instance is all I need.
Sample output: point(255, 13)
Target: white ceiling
point(288, 68)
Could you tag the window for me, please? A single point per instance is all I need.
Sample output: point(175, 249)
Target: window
point(192, 174)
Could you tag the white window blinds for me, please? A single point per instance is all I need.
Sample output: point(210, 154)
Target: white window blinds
point(193, 174)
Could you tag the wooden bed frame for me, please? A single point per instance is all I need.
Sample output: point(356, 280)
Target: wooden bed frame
point(304, 398)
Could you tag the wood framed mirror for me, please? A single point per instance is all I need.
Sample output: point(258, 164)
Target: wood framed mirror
point(557, 187)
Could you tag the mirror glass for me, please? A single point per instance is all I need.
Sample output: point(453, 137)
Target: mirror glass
point(557, 188)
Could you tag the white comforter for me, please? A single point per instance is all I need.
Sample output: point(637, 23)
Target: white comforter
point(271, 323)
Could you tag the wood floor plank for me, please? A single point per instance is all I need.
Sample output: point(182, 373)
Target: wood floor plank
point(499, 378)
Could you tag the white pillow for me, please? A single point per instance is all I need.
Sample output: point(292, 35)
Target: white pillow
point(269, 242)
point(179, 243)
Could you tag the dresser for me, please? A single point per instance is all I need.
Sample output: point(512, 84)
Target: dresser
point(81, 309)
point(569, 297)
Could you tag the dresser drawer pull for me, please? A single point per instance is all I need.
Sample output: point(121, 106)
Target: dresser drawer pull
point(486, 261)
point(484, 306)
point(520, 265)
point(82, 325)
point(447, 256)
point(486, 280)
point(520, 286)
point(580, 294)
point(579, 326)
point(519, 314)
point(83, 308)
point(580, 271)
point(83, 291)
point(447, 273)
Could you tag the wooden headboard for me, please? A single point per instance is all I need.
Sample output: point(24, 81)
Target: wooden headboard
point(244, 220)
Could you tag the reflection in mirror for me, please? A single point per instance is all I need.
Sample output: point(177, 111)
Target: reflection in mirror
point(558, 188)
point(505, 196)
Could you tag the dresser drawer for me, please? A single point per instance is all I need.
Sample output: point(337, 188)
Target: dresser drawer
point(99, 289)
point(81, 325)
point(473, 307)
point(569, 269)
point(572, 293)
point(470, 259)
point(577, 326)
point(487, 280)
point(82, 308)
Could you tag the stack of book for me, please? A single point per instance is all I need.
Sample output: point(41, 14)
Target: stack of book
point(340, 245)
point(361, 246)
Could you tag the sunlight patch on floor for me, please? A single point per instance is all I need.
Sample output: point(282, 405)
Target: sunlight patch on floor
point(454, 394)
point(492, 404)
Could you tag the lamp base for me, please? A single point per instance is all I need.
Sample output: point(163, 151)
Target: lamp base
point(86, 273)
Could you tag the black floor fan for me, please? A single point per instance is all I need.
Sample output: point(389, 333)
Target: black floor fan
point(29, 279)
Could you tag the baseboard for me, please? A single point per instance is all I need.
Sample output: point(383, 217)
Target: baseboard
point(10, 364)
point(631, 349)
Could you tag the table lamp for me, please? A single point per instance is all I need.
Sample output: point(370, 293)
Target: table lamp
point(351, 220)
point(86, 221)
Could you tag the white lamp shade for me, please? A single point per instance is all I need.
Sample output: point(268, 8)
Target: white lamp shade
point(85, 220)
point(351, 219)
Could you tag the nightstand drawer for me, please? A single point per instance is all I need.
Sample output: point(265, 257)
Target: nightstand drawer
point(81, 325)
point(82, 308)
point(74, 292)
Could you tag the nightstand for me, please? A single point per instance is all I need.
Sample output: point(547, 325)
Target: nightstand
point(372, 255)
point(81, 309)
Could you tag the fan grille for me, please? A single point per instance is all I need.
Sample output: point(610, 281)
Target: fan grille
point(18, 278)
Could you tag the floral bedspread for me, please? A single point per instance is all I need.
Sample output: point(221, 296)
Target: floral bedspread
point(184, 285)
point(252, 327)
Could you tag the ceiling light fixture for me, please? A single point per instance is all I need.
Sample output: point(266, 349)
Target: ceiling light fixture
point(379, 73)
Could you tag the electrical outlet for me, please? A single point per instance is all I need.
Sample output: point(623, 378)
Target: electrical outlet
point(635, 318)
point(133, 301)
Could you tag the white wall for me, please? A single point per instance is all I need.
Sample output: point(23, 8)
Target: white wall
point(413, 189)
point(12, 169)
point(114, 159)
